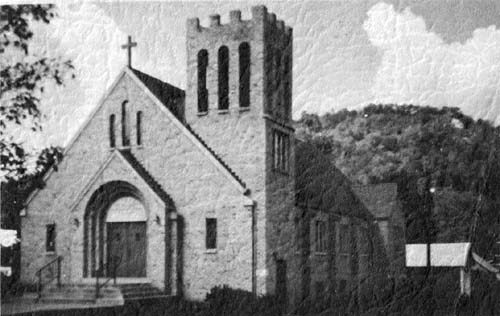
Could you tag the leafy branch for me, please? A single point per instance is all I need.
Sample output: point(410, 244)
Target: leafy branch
point(23, 81)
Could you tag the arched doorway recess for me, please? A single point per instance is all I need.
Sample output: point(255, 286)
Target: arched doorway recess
point(115, 232)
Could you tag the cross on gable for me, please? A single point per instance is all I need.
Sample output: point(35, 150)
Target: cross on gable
point(128, 46)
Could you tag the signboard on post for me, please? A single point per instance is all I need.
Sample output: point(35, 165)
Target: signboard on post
point(443, 255)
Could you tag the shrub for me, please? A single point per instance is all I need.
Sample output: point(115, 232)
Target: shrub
point(223, 300)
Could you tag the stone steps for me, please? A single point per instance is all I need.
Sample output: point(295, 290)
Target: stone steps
point(109, 295)
point(140, 291)
point(69, 294)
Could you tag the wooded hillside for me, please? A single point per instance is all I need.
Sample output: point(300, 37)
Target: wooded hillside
point(447, 168)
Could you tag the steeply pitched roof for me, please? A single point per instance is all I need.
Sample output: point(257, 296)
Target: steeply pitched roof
point(167, 94)
point(171, 100)
point(320, 185)
point(171, 96)
point(379, 199)
point(145, 175)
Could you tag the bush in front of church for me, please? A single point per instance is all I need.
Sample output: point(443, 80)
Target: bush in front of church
point(223, 300)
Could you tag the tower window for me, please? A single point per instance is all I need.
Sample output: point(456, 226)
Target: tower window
point(277, 97)
point(139, 128)
point(244, 53)
point(50, 240)
point(211, 233)
point(280, 151)
point(202, 81)
point(287, 89)
point(223, 64)
point(277, 64)
point(112, 140)
point(125, 129)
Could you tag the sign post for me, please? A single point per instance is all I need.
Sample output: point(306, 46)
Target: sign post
point(443, 255)
point(457, 255)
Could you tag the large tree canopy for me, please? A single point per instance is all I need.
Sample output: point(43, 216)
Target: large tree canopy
point(421, 148)
point(23, 76)
point(447, 167)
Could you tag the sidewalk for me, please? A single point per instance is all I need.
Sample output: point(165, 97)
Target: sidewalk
point(27, 303)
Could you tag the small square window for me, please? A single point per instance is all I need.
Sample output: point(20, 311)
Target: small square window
point(211, 237)
point(50, 241)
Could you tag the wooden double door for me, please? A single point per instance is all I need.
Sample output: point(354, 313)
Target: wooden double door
point(127, 249)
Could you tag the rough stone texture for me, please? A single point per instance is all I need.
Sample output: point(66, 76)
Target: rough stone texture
point(243, 137)
point(199, 186)
point(196, 186)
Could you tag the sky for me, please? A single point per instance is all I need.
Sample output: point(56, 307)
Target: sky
point(347, 54)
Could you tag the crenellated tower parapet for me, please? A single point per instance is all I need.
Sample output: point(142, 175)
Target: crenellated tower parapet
point(218, 82)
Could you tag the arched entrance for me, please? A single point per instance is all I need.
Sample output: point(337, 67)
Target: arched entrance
point(115, 226)
point(126, 238)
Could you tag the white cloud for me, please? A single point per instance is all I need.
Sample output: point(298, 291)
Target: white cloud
point(418, 67)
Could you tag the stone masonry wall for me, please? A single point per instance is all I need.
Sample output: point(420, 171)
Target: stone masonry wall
point(242, 136)
point(196, 185)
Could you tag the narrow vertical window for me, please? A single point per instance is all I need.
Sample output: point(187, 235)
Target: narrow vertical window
point(50, 240)
point(280, 151)
point(364, 251)
point(287, 153)
point(277, 64)
point(275, 150)
point(139, 128)
point(278, 105)
point(211, 233)
point(125, 131)
point(244, 53)
point(112, 140)
point(287, 89)
point(202, 81)
point(223, 64)
point(344, 236)
point(270, 65)
point(320, 240)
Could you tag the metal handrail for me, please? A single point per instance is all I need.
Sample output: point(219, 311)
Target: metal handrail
point(116, 264)
point(41, 282)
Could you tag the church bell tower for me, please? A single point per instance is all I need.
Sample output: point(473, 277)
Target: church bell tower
point(239, 101)
point(239, 90)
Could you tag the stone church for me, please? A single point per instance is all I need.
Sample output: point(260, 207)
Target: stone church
point(187, 190)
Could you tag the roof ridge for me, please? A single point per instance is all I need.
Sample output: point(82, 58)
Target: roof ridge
point(137, 72)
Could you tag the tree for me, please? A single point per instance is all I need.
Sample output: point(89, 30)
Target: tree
point(447, 168)
point(22, 79)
